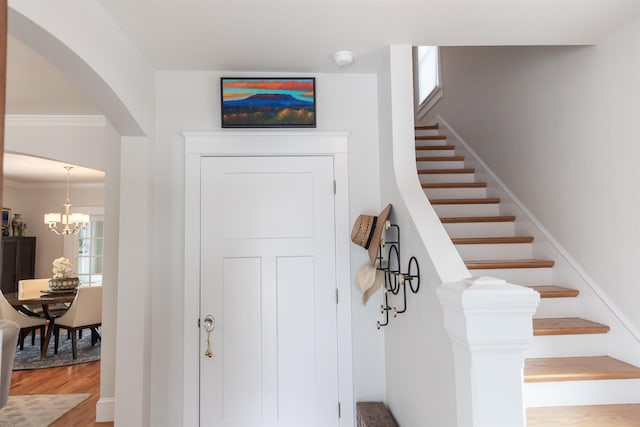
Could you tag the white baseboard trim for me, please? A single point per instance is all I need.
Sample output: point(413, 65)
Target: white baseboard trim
point(105, 409)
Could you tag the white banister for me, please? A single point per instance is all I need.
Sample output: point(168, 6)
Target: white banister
point(489, 322)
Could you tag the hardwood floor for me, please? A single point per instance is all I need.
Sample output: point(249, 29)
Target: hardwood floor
point(82, 378)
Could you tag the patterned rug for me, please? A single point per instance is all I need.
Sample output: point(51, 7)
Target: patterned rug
point(38, 410)
point(29, 358)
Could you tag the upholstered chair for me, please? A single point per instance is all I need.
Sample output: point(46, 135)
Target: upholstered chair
point(85, 312)
point(9, 332)
point(31, 288)
point(26, 323)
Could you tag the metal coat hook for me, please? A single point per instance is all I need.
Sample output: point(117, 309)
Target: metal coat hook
point(395, 281)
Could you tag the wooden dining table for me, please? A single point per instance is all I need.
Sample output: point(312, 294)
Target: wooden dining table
point(46, 300)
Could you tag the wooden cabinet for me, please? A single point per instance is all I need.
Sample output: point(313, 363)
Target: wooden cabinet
point(18, 262)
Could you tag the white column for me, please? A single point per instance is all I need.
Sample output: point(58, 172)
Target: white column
point(133, 355)
point(490, 325)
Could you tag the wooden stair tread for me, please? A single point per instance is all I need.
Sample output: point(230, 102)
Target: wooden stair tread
point(439, 158)
point(428, 127)
point(491, 240)
point(567, 326)
point(430, 137)
point(481, 201)
point(513, 263)
point(441, 171)
point(578, 369)
point(465, 219)
point(435, 147)
point(621, 415)
point(454, 185)
point(550, 291)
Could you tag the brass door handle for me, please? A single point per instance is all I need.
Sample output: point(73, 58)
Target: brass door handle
point(209, 326)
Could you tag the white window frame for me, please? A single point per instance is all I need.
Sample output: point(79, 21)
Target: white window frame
point(423, 106)
point(71, 242)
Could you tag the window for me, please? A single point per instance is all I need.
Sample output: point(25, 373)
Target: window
point(428, 72)
point(90, 252)
point(85, 250)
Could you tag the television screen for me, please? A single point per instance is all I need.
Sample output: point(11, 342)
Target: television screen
point(268, 102)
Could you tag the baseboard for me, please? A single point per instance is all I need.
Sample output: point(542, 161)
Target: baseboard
point(105, 409)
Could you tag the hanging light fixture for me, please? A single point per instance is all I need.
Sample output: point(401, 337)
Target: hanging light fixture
point(70, 223)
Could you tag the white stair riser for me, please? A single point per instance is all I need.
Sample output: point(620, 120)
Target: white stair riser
point(435, 143)
point(488, 209)
point(518, 276)
point(495, 251)
point(557, 307)
point(447, 177)
point(568, 345)
point(423, 132)
point(570, 393)
point(456, 193)
point(441, 164)
point(443, 152)
point(480, 229)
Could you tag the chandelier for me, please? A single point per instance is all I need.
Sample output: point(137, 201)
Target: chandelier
point(70, 223)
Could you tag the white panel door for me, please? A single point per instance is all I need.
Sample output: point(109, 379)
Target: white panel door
point(268, 278)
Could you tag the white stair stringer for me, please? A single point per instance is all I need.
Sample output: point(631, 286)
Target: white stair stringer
point(572, 393)
point(622, 342)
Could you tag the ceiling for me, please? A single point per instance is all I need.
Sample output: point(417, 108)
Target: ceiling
point(296, 36)
point(302, 35)
point(34, 86)
point(32, 170)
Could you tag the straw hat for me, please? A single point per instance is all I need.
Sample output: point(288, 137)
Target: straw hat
point(369, 280)
point(367, 232)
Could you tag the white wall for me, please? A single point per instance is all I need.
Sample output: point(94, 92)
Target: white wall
point(420, 377)
point(190, 101)
point(559, 125)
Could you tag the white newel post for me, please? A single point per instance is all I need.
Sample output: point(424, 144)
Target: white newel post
point(489, 322)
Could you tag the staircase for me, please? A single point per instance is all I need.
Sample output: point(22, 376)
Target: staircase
point(569, 378)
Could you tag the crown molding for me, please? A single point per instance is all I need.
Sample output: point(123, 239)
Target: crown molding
point(54, 120)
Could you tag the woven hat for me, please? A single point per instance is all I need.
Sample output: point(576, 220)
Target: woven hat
point(368, 280)
point(377, 284)
point(367, 232)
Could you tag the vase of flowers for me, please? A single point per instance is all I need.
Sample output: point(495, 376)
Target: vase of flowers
point(63, 275)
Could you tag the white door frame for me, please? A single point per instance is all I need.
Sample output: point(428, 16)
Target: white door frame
point(261, 143)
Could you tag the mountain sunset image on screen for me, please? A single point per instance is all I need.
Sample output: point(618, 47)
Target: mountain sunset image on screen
point(262, 102)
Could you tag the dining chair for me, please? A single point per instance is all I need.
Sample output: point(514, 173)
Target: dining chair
point(9, 335)
point(85, 312)
point(31, 288)
point(26, 323)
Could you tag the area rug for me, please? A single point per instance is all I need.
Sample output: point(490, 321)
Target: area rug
point(29, 358)
point(38, 410)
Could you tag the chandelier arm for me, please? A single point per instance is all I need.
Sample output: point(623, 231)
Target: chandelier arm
point(70, 223)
